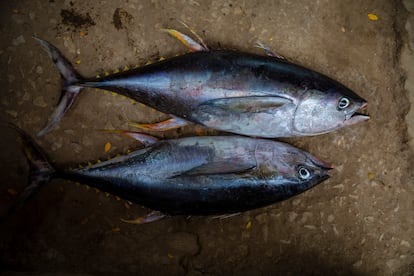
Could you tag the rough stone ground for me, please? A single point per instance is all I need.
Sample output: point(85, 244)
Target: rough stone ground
point(358, 222)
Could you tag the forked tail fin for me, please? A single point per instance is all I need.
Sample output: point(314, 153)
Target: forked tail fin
point(70, 88)
point(41, 171)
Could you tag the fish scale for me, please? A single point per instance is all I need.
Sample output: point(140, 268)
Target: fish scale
point(209, 175)
point(242, 93)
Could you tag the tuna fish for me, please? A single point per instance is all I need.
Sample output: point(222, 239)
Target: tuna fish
point(191, 176)
point(242, 93)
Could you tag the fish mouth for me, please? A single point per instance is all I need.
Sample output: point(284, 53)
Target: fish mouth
point(323, 177)
point(357, 117)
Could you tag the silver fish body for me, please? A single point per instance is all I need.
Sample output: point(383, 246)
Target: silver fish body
point(207, 175)
point(242, 93)
point(194, 176)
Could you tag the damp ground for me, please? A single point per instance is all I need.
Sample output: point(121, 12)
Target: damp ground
point(359, 222)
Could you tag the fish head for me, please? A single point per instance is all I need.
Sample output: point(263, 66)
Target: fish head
point(287, 164)
point(321, 112)
point(301, 167)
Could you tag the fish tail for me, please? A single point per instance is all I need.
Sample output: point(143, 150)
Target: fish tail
point(41, 170)
point(71, 87)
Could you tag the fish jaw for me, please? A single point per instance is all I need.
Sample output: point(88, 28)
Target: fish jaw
point(356, 117)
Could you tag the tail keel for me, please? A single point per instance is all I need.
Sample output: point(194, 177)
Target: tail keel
point(41, 171)
point(70, 88)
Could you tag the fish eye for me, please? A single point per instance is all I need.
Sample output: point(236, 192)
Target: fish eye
point(343, 103)
point(304, 173)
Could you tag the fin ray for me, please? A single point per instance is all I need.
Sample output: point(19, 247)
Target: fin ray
point(41, 170)
point(186, 40)
point(145, 139)
point(168, 124)
point(71, 87)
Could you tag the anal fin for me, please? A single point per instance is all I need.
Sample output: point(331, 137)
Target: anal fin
point(168, 124)
point(150, 217)
point(145, 139)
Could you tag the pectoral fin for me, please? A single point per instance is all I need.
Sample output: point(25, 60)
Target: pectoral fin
point(150, 217)
point(247, 104)
point(145, 139)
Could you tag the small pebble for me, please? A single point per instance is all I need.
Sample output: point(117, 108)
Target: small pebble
point(56, 145)
point(357, 264)
point(39, 101)
point(292, 216)
point(12, 113)
point(18, 40)
point(76, 147)
point(26, 96)
point(269, 253)
point(310, 227)
point(11, 78)
point(39, 69)
point(261, 218)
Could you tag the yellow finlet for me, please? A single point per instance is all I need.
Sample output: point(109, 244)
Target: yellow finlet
point(200, 131)
point(90, 164)
point(114, 94)
point(107, 147)
point(106, 74)
point(116, 71)
point(126, 68)
point(98, 76)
